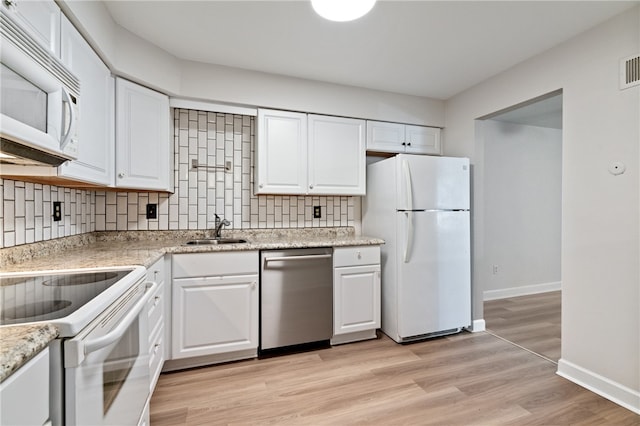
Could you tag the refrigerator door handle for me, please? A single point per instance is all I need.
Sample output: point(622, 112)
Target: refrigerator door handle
point(409, 237)
point(408, 186)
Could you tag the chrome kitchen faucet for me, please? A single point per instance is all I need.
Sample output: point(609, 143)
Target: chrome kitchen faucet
point(218, 227)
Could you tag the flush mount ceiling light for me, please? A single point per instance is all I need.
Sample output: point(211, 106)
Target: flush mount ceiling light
point(342, 10)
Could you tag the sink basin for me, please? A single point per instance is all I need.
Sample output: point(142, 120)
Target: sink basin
point(213, 241)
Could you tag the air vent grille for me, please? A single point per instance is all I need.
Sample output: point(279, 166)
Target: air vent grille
point(630, 72)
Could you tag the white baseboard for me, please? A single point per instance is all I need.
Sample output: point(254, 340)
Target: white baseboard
point(477, 326)
point(521, 291)
point(613, 391)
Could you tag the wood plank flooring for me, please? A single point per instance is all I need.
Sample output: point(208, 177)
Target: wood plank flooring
point(532, 321)
point(464, 379)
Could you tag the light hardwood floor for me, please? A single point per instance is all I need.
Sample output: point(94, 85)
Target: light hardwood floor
point(464, 379)
point(532, 322)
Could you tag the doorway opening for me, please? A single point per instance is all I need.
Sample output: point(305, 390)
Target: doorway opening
point(522, 224)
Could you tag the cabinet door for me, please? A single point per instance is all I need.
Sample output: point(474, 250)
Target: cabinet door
point(142, 138)
point(214, 315)
point(40, 18)
point(337, 155)
point(96, 147)
point(422, 140)
point(24, 396)
point(385, 137)
point(356, 293)
point(281, 157)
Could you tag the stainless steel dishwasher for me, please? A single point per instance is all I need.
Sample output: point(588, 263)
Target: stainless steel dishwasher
point(296, 300)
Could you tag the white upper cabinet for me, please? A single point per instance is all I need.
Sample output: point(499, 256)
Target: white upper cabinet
point(96, 148)
point(402, 138)
point(309, 154)
point(143, 150)
point(337, 157)
point(40, 18)
point(281, 152)
point(422, 140)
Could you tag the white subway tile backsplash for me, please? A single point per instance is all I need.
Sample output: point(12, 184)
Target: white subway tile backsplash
point(26, 210)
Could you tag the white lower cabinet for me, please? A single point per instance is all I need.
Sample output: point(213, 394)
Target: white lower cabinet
point(215, 304)
point(356, 293)
point(24, 396)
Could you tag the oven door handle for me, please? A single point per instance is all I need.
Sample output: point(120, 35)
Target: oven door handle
point(82, 348)
point(115, 334)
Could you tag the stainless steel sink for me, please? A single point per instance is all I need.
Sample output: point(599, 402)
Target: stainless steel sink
point(215, 241)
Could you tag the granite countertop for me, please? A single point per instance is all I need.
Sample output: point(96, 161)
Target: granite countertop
point(113, 248)
point(20, 343)
point(146, 247)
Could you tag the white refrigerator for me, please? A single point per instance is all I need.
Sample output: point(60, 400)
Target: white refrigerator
point(420, 206)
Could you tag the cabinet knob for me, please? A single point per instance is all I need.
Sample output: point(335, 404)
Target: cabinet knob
point(310, 186)
point(359, 255)
point(408, 143)
point(9, 3)
point(261, 186)
point(121, 175)
point(253, 285)
point(404, 143)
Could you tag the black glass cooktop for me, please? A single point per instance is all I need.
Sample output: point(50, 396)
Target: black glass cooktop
point(32, 298)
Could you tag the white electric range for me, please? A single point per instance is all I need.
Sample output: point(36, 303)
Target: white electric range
point(99, 363)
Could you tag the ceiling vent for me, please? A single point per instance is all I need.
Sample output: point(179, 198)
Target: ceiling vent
point(630, 71)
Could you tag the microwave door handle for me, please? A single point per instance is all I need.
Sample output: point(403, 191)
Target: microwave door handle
point(70, 112)
point(102, 341)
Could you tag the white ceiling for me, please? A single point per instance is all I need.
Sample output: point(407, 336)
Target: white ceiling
point(425, 48)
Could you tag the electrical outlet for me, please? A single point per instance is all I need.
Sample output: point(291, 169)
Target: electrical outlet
point(57, 211)
point(317, 212)
point(152, 211)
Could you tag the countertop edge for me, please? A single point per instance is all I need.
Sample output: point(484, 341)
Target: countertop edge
point(20, 343)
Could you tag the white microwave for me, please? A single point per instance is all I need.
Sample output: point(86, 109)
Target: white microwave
point(39, 102)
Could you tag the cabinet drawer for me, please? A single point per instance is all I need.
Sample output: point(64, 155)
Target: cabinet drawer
point(354, 256)
point(215, 264)
point(155, 310)
point(156, 356)
point(156, 272)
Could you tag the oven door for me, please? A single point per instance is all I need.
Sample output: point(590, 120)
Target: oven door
point(107, 365)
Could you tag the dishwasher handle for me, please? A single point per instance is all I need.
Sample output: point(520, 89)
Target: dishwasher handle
point(303, 257)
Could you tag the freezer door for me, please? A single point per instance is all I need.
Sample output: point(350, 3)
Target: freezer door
point(432, 183)
point(434, 272)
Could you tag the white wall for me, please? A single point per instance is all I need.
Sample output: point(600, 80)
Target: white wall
point(600, 212)
point(522, 183)
point(129, 56)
